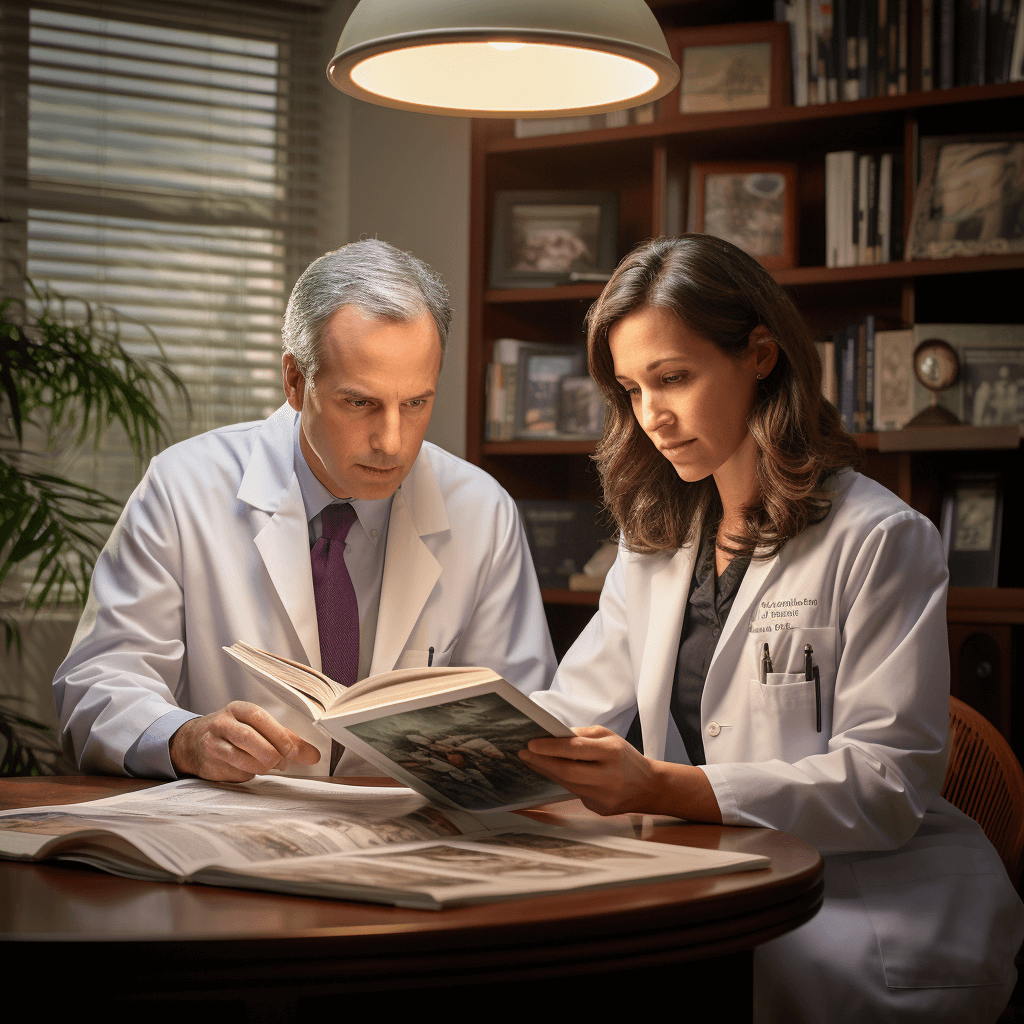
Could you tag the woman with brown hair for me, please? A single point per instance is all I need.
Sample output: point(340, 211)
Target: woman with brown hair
point(775, 627)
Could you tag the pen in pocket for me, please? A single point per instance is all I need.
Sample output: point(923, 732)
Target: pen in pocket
point(811, 672)
point(766, 664)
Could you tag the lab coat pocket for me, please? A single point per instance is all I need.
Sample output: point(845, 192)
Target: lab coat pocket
point(784, 718)
point(937, 914)
point(411, 658)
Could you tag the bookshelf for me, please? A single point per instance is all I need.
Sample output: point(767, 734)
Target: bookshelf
point(641, 163)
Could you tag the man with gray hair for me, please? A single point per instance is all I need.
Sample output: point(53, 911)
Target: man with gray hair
point(330, 533)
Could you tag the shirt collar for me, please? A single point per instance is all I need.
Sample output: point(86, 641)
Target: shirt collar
point(372, 514)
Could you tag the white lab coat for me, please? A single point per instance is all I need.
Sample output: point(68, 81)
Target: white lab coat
point(919, 915)
point(213, 547)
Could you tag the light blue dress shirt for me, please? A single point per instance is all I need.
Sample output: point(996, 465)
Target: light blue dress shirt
point(365, 547)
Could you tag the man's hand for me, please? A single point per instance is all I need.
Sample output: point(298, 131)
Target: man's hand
point(235, 744)
point(611, 776)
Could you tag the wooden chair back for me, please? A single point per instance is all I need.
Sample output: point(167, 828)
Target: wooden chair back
point(984, 779)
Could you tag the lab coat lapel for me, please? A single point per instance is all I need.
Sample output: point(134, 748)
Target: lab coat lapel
point(669, 589)
point(410, 569)
point(270, 485)
point(284, 545)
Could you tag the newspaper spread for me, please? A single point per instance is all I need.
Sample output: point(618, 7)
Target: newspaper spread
point(316, 838)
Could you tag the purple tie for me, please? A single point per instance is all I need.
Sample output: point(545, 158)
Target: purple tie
point(337, 611)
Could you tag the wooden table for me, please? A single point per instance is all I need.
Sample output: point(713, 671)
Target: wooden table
point(162, 950)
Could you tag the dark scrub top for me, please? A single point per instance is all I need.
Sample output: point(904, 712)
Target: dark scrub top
point(707, 609)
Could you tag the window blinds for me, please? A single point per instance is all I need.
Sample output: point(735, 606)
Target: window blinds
point(163, 161)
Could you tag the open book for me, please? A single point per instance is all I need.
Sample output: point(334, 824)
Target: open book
point(315, 838)
point(452, 734)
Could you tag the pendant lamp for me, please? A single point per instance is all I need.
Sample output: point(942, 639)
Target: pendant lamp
point(503, 58)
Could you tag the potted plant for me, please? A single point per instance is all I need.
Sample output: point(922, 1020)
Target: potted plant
point(65, 378)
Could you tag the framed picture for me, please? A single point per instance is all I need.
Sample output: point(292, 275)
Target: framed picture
point(751, 205)
point(732, 67)
point(895, 395)
point(581, 408)
point(993, 380)
point(539, 375)
point(970, 198)
point(549, 238)
point(972, 518)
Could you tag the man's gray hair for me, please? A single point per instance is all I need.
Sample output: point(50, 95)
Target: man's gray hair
point(382, 282)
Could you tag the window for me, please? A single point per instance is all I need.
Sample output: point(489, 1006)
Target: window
point(163, 161)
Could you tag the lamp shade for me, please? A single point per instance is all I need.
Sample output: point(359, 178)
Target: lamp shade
point(503, 58)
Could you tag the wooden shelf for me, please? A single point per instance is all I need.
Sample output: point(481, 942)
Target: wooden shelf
point(896, 271)
point(986, 605)
point(552, 596)
point(742, 120)
point(548, 447)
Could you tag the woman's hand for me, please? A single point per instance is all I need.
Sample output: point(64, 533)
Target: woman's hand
point(611, 776)
point(608, 774)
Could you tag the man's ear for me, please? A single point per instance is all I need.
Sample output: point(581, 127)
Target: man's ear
point(294, 382)
point(766, 351)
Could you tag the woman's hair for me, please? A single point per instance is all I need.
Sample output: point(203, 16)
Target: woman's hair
point(721, 294)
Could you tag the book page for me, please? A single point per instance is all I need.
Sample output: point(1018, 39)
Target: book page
point(524, 859)
point(269, 668)
point(184, 826)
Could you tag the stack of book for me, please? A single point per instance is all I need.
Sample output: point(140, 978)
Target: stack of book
point(863, 208)
point(538, 392)
point(854, 49)
point(848, 373)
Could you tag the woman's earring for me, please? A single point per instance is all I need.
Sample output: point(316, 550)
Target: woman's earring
point(759, 377)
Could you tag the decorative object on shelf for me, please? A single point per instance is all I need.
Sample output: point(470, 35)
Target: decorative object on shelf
point(970, 200)
point(732, 67)
point(547, 238)
point(993, 384)
point(972, 518)
point(937, 367)
point(532, 127)
point(520, 58)
point(894, 379)
point(539, 376)
point(751, 205)
point(596, 568)
point(563, 536)
point(581, 407)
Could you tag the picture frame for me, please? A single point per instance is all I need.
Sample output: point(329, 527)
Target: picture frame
point(731, 67)
point(993, 382)
point(546, 238)
point(972, 519)
point(581, 407)
point(539, 374)
point(970, 197)
point(752, 205)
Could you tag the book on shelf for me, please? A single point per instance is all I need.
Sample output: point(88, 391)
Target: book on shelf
point(451, 733)
point(856, 49)
point(863, 208)
point(540, 392)
point(563, 536)
point(313, 838)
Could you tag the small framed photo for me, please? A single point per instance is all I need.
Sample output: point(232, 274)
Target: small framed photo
point(751, 205)
point(993, 379)
point(970, 197)
point(548, 238)
point(581, 408)
point(539, 375)
point(972, 519)
point(732, 67)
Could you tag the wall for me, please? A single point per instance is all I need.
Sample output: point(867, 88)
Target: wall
point(405, 180)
